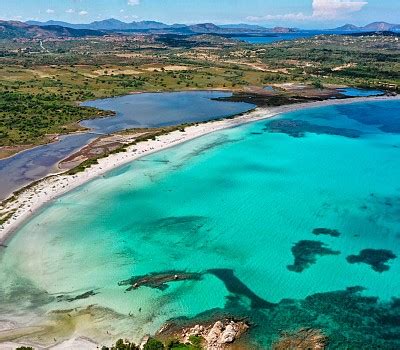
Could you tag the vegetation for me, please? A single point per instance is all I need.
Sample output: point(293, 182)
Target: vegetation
point(40, 88)
point(84, 165)
point(25, 118)
point(122, 345)
point(154, 344)
point(147, 134)
point(5, 217)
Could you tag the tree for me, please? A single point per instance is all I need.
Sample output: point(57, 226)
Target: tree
point(153, 344)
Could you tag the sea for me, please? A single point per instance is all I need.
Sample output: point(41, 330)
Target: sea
point(291, 222)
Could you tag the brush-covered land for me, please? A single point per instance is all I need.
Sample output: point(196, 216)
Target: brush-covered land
point(42, 82)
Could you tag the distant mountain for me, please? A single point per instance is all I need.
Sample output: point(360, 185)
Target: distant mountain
point(381, 26)
point(53, 23)
point(113, 24)
point(348, 27)
point(20, 30)
point(205, 28)
point(372, 27)
point(107, 24)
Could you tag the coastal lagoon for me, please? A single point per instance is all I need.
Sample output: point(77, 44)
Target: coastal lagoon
point(149, 110)
point(292, 222)
point(132, 111)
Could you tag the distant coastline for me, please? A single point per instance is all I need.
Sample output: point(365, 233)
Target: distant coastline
point(22, 206)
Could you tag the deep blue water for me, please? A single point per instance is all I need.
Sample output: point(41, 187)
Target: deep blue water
point(355, 92)
point(287, 36)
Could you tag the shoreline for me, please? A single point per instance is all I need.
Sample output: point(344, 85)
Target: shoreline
point(34, 197)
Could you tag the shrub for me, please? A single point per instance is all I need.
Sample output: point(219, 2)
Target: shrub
point(154, 344)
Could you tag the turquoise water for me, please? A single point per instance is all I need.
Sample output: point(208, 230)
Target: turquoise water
point(231, 205)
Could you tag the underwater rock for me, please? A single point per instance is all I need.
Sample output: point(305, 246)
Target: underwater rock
point(349, 318)
point(376, 258)
point(159, 280)
point(85, 295)
point(237, 288)
point(298, 128)
point(326, 231)
point(303, 339)
point(305, 254)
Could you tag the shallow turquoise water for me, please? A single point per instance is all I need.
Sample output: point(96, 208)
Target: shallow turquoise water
point(238, 201)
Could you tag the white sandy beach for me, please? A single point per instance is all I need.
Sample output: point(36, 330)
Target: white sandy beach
point(33, 198)
point(76, 343)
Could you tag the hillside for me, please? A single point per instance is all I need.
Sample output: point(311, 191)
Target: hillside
point(372, 27)
point(20, 30)
point(348, 27)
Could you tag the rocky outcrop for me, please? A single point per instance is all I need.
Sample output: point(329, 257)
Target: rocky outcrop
point(215, 335)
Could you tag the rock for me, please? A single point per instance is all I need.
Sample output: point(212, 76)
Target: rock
point(213, 336)
point(144, 341)
point(217, 335)
point(228, 335)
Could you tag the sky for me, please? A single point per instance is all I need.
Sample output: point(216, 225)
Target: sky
point(291, 13)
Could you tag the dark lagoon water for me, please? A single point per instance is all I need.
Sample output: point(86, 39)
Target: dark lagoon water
point(33, 164)
point(292, 222)
point(287, 36)
point(139, 110)
point(155, 110)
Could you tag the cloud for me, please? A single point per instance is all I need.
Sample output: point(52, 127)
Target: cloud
point(321, 10)
point(50, 11)
point(133, 2)
point(331, 9)
point(70, 11)
point(83, 13)
point(289, 16)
